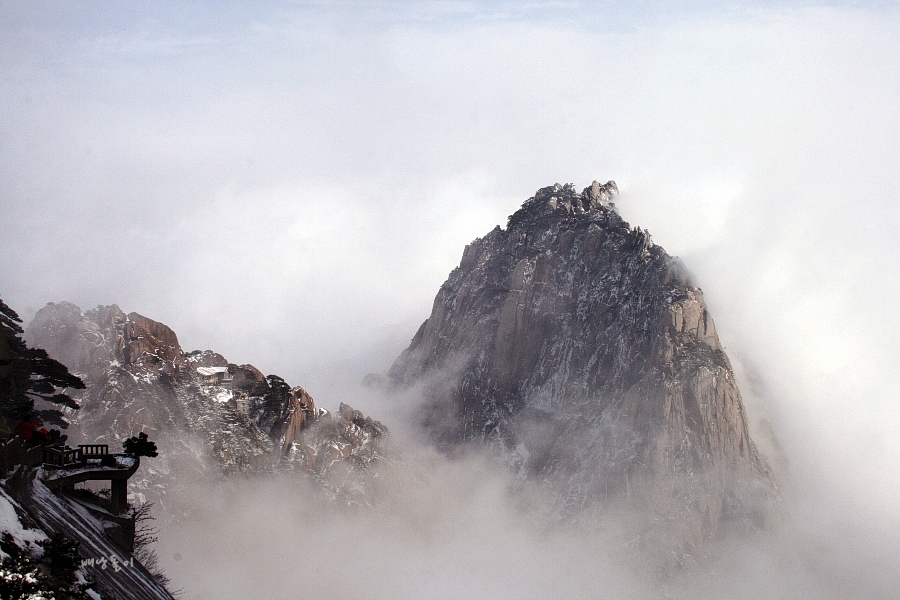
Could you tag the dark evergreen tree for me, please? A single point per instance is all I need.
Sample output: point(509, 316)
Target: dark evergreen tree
point(140, 446)
point(20, 578)
point(278, 397)
point(27, 374)
point(61, 558)
point(53, 575)
point(269, 413)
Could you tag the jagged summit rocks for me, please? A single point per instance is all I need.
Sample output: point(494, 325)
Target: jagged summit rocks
point(209, 415)
point(565, 198)
point(581, 350)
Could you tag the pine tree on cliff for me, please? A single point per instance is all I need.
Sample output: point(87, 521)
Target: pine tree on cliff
point(278, 397)
point(27, 374)
point(140, 446)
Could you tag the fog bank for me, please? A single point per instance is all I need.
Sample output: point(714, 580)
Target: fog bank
point(290, 184)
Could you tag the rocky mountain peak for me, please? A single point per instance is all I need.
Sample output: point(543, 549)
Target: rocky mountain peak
point(146, 336)
point(582, 351)
point(206, 413)
point(564, 200)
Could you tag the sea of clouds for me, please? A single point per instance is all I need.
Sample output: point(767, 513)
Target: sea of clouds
point(289, 184)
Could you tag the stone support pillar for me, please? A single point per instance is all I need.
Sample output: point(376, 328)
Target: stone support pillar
point(119, 495)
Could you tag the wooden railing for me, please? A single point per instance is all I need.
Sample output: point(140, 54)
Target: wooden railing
point(93, 449)
point(60, 457)
point(17, 451)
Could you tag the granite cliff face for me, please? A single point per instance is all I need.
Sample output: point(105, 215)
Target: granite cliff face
point(208, 416)
point(583, 352)
point(139, 379)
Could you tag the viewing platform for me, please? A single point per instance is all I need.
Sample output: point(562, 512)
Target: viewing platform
point(92, 462)
point(63, 467)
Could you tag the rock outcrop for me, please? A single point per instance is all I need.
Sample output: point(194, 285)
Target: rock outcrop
point(206, 415)
point(318, 440)
point(584, 352)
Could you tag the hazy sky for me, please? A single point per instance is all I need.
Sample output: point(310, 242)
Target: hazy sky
point(290, 183)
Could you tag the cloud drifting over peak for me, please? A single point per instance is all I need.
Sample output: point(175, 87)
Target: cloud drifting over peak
point(289, 184)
